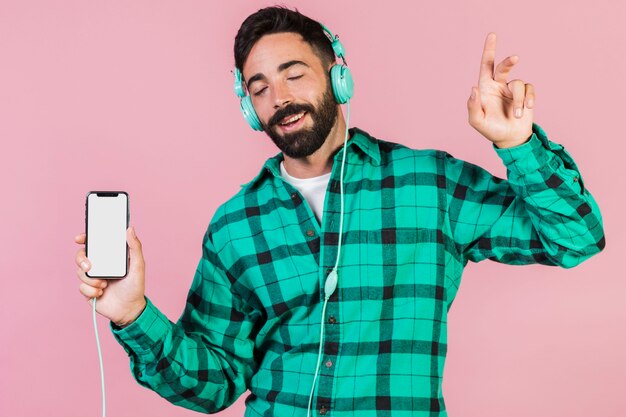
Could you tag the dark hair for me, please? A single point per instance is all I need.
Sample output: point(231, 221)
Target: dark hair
point(280, 19)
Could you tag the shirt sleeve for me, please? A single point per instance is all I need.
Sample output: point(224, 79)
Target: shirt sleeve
point(204, 362)
point(542, 214)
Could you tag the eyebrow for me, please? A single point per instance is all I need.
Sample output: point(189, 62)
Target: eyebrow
point(281, 67)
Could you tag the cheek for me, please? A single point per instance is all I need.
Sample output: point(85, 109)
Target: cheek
point(263, 108)
point(309, 92)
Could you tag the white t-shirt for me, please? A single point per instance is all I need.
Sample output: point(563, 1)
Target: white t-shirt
point(312, 189)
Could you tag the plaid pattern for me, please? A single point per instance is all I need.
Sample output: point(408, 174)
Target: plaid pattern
point(414, 218)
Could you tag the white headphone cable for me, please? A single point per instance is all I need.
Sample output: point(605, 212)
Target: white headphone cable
point(95, 326)
point(331, 281)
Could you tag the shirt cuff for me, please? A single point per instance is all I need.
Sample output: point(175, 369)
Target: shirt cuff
point(527, 157)
point(148, 330)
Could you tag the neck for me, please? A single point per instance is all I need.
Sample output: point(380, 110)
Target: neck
point(319, 162)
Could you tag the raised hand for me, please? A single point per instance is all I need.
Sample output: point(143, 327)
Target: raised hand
point(501, 111)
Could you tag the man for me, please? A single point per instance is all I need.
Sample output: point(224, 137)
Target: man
point(259, 305)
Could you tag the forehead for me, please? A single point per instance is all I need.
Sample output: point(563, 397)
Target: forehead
point(276, 48)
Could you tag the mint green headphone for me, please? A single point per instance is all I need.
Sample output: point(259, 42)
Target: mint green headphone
point(340, 79)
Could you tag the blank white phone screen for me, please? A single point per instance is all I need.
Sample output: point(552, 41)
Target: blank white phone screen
point(106, 234)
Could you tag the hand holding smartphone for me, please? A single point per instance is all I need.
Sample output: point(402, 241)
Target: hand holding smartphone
point(105, 259)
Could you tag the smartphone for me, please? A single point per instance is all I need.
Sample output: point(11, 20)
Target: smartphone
point(107, 216)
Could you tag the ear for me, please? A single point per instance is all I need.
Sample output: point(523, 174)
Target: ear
point(330, 65)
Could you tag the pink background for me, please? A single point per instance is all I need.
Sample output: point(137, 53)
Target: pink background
point(137, 96)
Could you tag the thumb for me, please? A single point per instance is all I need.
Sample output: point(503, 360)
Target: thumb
point(133, 242)
point(474, 108)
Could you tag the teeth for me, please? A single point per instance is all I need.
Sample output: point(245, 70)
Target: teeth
point(293, 119)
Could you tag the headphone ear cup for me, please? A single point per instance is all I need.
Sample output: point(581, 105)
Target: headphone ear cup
point(342, 83)
point(247, 109)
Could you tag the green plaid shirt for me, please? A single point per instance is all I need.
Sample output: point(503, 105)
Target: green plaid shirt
point(414, 218)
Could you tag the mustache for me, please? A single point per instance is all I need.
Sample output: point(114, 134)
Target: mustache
point(290, 110)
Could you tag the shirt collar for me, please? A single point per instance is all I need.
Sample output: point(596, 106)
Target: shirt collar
point(366, 143)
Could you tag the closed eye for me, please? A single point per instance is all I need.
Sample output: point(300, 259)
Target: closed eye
point(258, 93)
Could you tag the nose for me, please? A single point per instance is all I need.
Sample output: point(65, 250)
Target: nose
point(282, 95)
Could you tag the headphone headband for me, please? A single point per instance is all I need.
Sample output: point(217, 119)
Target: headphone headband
point(239, 83)
point(338, 48)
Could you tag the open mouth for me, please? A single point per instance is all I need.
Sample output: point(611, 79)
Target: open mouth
point(292, 122)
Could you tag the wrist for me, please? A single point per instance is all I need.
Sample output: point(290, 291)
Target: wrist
point(512, 143)
point(131, 317)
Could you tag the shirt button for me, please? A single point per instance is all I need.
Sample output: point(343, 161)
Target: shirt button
point(294, 196)
point(310, 233)
point(575, 179)
point(332, 320)
point(139, 374)
point(323, 410)
point(329, 364)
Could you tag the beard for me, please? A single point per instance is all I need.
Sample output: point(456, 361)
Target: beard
point(305, 141)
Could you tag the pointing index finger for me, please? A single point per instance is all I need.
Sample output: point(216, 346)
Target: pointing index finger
point(488, 58)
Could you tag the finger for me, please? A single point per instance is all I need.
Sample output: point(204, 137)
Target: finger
point(94, 282)
point(89, 300)
point(82, 261)
point(80, 239)
point(135, 248)
point(504, 68)
point(474, 109)
point(518, 89)
point(488, 57)
point(89, 291)
point(530, 96)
